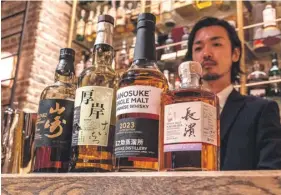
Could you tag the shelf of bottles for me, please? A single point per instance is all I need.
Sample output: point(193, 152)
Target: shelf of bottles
point(174, 21)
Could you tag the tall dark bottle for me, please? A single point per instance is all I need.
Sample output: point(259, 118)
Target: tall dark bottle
point(54, 120)
point(138, 104)
point(274, 74)
point(94, 113)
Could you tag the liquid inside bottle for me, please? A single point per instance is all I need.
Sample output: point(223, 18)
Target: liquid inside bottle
point(189, 127)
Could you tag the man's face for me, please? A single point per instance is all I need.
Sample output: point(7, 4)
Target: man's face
point(212, 48)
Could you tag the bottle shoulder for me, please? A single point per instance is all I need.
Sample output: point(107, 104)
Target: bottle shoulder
point(190, 95)
point(145, 77)
point(59, 90)
point(97, 76)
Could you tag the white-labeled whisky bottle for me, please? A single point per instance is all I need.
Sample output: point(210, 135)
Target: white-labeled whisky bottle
point(189, 127)
point(138, 104)
point(80, 29)
point(94, 109)
point(54, 120)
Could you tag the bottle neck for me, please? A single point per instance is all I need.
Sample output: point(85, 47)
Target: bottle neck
point(274, 62)
point(145, 46)
point(65, 71)
point(190, 81)
point(103, 51)
point(103, 55)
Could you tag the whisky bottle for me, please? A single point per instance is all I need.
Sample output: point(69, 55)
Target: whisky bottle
point(189, 133)
point(81, 27)
point(257, 76)
point(166, 16)
point(155, 9)
point(172, 81)
point(166, 74)
point(274, 74)
point(138, 104)
point(121, 18)
point(89, 27)
point(129, 25)
point(112, 11)
point(123, 60)
point(169, 49)
point(185, 38)
point(54, 120)
point(80, 66)
point(94, 113)
point(95, 22)
point(131, 50)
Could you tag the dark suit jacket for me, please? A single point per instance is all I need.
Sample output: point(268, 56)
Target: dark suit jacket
point(250, 133)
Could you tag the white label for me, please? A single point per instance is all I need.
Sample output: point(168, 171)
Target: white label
point(190, 122)
point(95, 111)
point(181, 53)
point(80, 28)
point(269, 17)
point(257, 92)
point(169, 56)
point(138, 99)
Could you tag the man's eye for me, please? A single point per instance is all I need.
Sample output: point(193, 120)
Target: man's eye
point(197, 49)
point(217, 44)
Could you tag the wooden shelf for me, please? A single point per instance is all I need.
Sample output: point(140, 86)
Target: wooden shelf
point(260, 83)
point(233, 182)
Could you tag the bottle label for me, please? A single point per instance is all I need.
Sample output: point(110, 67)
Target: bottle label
point(136, 137)
point(258, 92)
point(92, 114)
point(80, 28)
point(88, 29)
point(54, 123)
point(189, 122)
point(138, 99)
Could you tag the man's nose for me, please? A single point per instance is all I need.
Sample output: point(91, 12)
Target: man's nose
point(207, 53)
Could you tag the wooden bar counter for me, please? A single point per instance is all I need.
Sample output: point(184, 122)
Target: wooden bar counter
point(146, 183)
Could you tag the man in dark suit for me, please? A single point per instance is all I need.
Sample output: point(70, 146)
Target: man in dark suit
point(250, 126)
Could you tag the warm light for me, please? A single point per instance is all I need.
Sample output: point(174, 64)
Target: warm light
point(7, 68)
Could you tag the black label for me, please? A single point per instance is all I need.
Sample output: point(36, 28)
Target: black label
point(136, 137)
point(54, 123)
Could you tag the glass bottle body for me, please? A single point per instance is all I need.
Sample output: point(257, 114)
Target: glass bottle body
point(54, 156)
point(179, 149)
point(92, 152)
point(142, 75)
point(274, 74)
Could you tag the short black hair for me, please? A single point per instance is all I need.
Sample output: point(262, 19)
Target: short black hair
point(234, 39)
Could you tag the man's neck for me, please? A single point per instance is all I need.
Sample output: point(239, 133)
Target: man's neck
point(217, 85)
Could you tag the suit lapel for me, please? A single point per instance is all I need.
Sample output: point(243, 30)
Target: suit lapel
point(232, 107)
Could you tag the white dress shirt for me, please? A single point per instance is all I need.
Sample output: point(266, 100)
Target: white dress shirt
point(223, 95)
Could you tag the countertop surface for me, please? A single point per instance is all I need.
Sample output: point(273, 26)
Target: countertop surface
point(219, 182)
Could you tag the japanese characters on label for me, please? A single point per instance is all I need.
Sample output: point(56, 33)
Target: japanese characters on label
point(54, 123)
point(136, 137)
point(138, 99)
point(190, 122)
point(92, 114)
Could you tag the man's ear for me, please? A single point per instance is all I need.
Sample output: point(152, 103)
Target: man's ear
point(236, 54)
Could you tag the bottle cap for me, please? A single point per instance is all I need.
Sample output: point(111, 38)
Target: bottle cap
point(67, 53)
point(106, 18)
point(147, 24)
point(186, 69)
point(147, 16)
